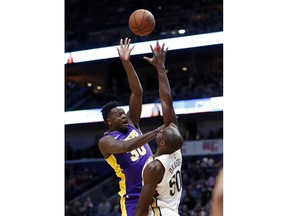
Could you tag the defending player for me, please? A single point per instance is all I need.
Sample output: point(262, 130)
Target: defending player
point(124, 146)
point(162, 185)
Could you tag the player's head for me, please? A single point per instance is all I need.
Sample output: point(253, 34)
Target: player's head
point(169, 139)
point(115, 117)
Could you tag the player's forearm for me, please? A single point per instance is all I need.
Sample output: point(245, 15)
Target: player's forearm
point(134, 82)
point(166, 98)
point(141, 212)
point(164, 86)
point(139, 141)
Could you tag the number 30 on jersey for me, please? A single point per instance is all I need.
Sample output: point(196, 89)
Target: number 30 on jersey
point(135, 154)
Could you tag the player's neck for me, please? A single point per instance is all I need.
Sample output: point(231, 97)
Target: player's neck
point(159, 152)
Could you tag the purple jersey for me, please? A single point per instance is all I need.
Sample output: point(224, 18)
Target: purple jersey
point(128, 166)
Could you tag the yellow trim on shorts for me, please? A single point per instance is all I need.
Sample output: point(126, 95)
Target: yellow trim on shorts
point(123, 207)
point(155, 208)
point(111, 160)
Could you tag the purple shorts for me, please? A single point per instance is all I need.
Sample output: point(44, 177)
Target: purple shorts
point(128, 206)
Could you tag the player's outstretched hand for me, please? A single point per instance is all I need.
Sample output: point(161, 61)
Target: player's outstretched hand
point(124, 50)
point(159, 56)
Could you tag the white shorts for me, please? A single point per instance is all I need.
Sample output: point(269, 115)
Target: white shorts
point(162, 212)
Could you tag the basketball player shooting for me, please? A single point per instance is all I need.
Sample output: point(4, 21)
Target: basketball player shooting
point(124, 146)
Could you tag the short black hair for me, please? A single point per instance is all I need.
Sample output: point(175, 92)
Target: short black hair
point(107, 108)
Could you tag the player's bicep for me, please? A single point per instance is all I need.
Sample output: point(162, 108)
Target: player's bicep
point(108, 145)
point(152, 175)
point(147, 193)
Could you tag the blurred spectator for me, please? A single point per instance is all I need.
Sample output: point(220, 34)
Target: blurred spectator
point(193, 192)
point(104, 207)
point(198, 211)
point(189, 201)
point(116, 208)
point(185, 179)
point(199, 135)
point(184, 211)
point(78, 179)
point(77, 209)
point(89, 206)
point(211, 180)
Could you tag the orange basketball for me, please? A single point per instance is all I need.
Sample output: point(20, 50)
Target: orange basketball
point(141, 22)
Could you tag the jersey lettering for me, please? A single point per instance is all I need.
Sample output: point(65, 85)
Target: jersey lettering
point(136, 153)
point(132, 135)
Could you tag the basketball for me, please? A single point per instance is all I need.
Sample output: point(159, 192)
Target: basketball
point(141, 22)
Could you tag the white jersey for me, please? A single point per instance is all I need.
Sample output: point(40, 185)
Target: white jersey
point(170, 188)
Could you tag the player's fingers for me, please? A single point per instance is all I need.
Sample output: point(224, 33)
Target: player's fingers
point(163, 47)
point(147, 59)
point(157, 43)
point(126, 39)
point(152, 49)
point(128, 43)
point(132, 48)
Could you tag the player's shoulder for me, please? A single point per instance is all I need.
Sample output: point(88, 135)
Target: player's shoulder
point(154, 171)
point(106, 138)
point(154, 166)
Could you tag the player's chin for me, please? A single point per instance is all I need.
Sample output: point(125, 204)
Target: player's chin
point(124, 128)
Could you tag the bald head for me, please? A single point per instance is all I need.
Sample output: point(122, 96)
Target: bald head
point(170, 139)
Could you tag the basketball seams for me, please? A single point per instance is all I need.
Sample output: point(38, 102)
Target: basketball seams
point(139, 25)
point(131, 25)
point(148, 25)
point(143, 15)
point(132, 22)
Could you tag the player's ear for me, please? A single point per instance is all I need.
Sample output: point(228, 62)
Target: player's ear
point(162, 142)
point(108, 120)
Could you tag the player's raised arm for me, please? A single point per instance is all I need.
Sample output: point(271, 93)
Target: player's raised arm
point(158, 174)
point(158, 61)
point(135, 102)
